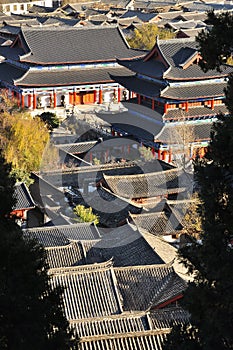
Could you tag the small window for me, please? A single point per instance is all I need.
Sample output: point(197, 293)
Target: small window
point(22, 7)
point(15, 8)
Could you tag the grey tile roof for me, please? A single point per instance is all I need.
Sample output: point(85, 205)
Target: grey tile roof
point(194, 91)
point(64, 256)
point(114, 324)
point(55, 236)
point(146, 185)
point(178, 51)
point(187, 24)
point(8, 72)
point(89, 291)
point(145, 17)
point(156, 223)
point(200, 6)
point(136, 340)
point(169, 317)
point(151, 68)
point(198, 131)
point(157, 283)
point(23, 197)
point(76, 45)
point(47, 236)
point(195, 112)
point(70, 76)
point(76, 148)
point(125, 246)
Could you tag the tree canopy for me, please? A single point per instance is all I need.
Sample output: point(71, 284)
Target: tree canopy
point(31, 311)
point(50, 119)
point(144, 37)
point(85, 214)
point(22, 139)
point(208, 297)
point(216, 44)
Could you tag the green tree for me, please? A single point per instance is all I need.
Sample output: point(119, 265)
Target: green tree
point(208, 297)
point(144, 38)
point(31, 311)
point(216, 44)
point(50, 119)
point(85, 214)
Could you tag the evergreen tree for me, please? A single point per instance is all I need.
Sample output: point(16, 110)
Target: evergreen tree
point(31, 312)
point(208, 297)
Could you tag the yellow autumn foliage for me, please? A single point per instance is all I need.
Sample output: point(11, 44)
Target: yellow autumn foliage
point(23, 139)
point(144, 37)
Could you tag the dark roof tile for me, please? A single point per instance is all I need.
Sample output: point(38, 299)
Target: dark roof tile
point(74, 45)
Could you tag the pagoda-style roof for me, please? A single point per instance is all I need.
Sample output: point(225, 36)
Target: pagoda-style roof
point(66, 45)
point(140, 86)
point(23, 197)
point(69, 77)
point(195, 112)
point(160, 183)
point(77, 148)
point(8, 72)
point(91, 288)
point(158, 284)
point(139, 340)
point(197, 131)
point(169, 317)
point(156, 223)
point(113, 324)
point(192, 92)
point(125, 245)
point(100, 290)
point(150, 68)
point(173, 59)
point(130, 322)
point(182, 56)
point(56, 236)
point(65, 256)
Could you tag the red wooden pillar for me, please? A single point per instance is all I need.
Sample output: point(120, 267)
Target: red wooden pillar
point(54, 99)
point(70, 98)
point(34, 100)
point(170, 156)
point(163, 155)
point(165, 108)
point(153, 104)
point(139, 99)
point(74, 98)
point(113, 132)
point(29, 100)
point(22, 101)
point(186, 106)
point(95, 94)
point(159, 154)
point(100, 96)
point(212, 104)
point(118, 94)
point(153, 151)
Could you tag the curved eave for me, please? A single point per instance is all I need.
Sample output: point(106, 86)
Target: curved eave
point(193, 98)
point(113, 59)
point(66, 84)
point(139, 86)
point(166, 76)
